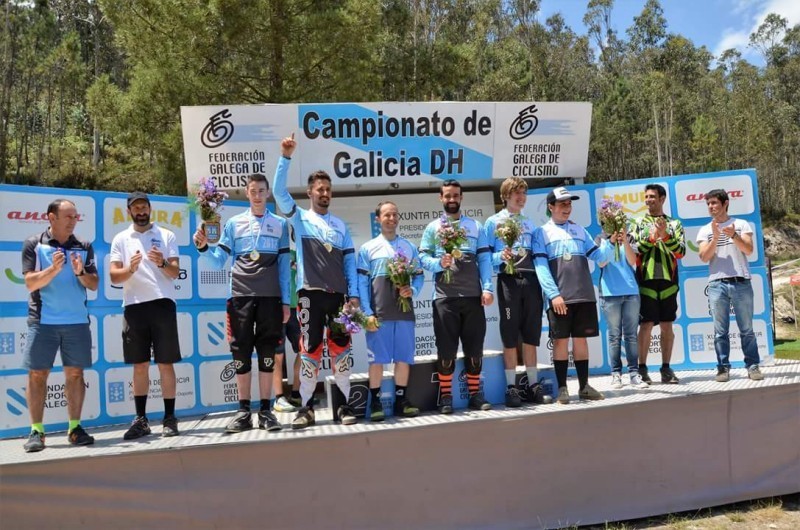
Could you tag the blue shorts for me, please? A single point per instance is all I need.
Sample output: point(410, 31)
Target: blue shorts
point(392, 342)
point(44, 340)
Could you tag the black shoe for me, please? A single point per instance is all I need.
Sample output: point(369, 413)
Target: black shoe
point(513, 399)
point(477, 402)
point(241, 422)
point(78, 436)
point(303, 419)
point(668, 376)
point(139, 427)
point(644, 374)
point(169, 426)
point(535, 394)
point(446, 404)
point(405, 409)
point(347, 415)
point(35, 442)
point(376, 410)
point(268, 421)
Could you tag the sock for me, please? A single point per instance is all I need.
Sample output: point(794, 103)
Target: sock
point(473, 383)
point(265, 404)
point(296, 394)
point(642, 367)
point(399, 392)
point(561, 372)
point(445, 384)
point(511, 377)
point(38, 427)
point(533, 375)
point(582, 367)
point(73, 424)
point(375, 393)
point(244, 404)
point(169, 406)
point(664, 365)
point(141, 405)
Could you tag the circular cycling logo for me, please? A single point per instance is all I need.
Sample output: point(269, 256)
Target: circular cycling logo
point(218, 130)
point(525, 124)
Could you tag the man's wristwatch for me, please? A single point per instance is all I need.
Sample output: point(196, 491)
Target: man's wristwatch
point(163, 265)
point(82, 273)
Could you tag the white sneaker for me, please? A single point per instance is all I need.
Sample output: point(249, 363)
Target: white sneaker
point(616, 380)
point(282, 405)
point(636, 381)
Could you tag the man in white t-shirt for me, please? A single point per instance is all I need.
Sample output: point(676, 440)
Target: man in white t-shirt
point(144, 260)
point(725, 243)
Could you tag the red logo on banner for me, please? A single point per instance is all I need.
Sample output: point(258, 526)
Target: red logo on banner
point(32, 216)
point(794, 279)
point(732, 194)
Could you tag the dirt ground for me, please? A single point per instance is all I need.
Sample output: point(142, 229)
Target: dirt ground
point(777, 513)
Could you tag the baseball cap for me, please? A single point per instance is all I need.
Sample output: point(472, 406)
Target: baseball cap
point(560, 194)
point(137, 196)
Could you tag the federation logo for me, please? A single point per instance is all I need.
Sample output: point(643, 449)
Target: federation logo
point(16, 403)
point(116, 392)
point(696, 342)
point(216, 333)
point(228, 372)
point(218, 130)
point(525, 124)
point(7, 343)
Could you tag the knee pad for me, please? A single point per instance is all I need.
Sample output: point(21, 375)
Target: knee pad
point(266, 362)
point(343, 363)
point(473, 365)
point(445, 367)
point(242, 366)
point(308, 367)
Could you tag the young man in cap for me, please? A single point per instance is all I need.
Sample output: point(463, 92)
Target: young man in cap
point(144, 260)
point(58, 268)
point(562, 250)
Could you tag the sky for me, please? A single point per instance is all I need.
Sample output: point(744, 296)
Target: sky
point(716, 24)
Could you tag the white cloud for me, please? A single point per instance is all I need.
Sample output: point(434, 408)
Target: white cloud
point(739, 38)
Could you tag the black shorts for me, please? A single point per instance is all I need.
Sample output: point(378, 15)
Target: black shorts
point(521, 303)
point(658, 301)
point(254, 323)
point(459, 318)
point(316, 311)
point(580, 321)
point(291, 333)
point(151, 326)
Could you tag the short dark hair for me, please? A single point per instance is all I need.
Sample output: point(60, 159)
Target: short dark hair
point(658, 188)
point(447, 183)
point(720, 194)
point(318, 175)
point(258, 177)
point(54, 206)
point(381, 205)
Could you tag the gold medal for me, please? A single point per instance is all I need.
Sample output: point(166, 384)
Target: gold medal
point(328, 246)
point(567, 256)
point(456, 253)
point(254, 255)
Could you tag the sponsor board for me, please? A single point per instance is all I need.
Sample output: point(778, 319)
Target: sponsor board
point(119, 390)
point(112, 336)
point(631, 197)
point(544, 353)
point(12, 282)
point(182, 285)
point(691, 195)
point(696, 293)
point(692, 257)
point(701, 341)
point(24, 214)
point(536, 208)
point(171, 215)
point(218, 383)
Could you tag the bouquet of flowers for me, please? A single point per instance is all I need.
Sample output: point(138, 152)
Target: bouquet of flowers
point(451, 237)
point(207, 202)
point(351, 320)
point(401, 270)
point(612, 220)
point(509, 232)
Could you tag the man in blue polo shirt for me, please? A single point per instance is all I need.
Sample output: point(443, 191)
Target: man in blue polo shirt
point(58, 268)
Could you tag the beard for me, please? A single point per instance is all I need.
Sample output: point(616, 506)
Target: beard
point(452, 208)
point(141, 220)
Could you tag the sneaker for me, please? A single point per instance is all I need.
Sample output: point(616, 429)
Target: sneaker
point(723, 374)
point(303, 419)
point(405, 409)
point(668, 376)
point(241, 422)
point(754, 373)
point(616, 380)
point(169, 426)
point(446, 404)
point(636, 382)
point(590, 393)
point(643, 373)
point(268, 421)
point(284, 405)
point(536, 394)
point(347, 415)
point(513, 399)
point(376, 410)
point(139, 427)
point(477, 402)
point(35, 442)
point(563, 396)
point(78, 436)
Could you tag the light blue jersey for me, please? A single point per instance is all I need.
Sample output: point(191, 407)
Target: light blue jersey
point(378, 294)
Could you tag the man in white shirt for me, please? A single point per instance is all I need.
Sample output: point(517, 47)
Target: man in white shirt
point(725, 243)
point(144, 260)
